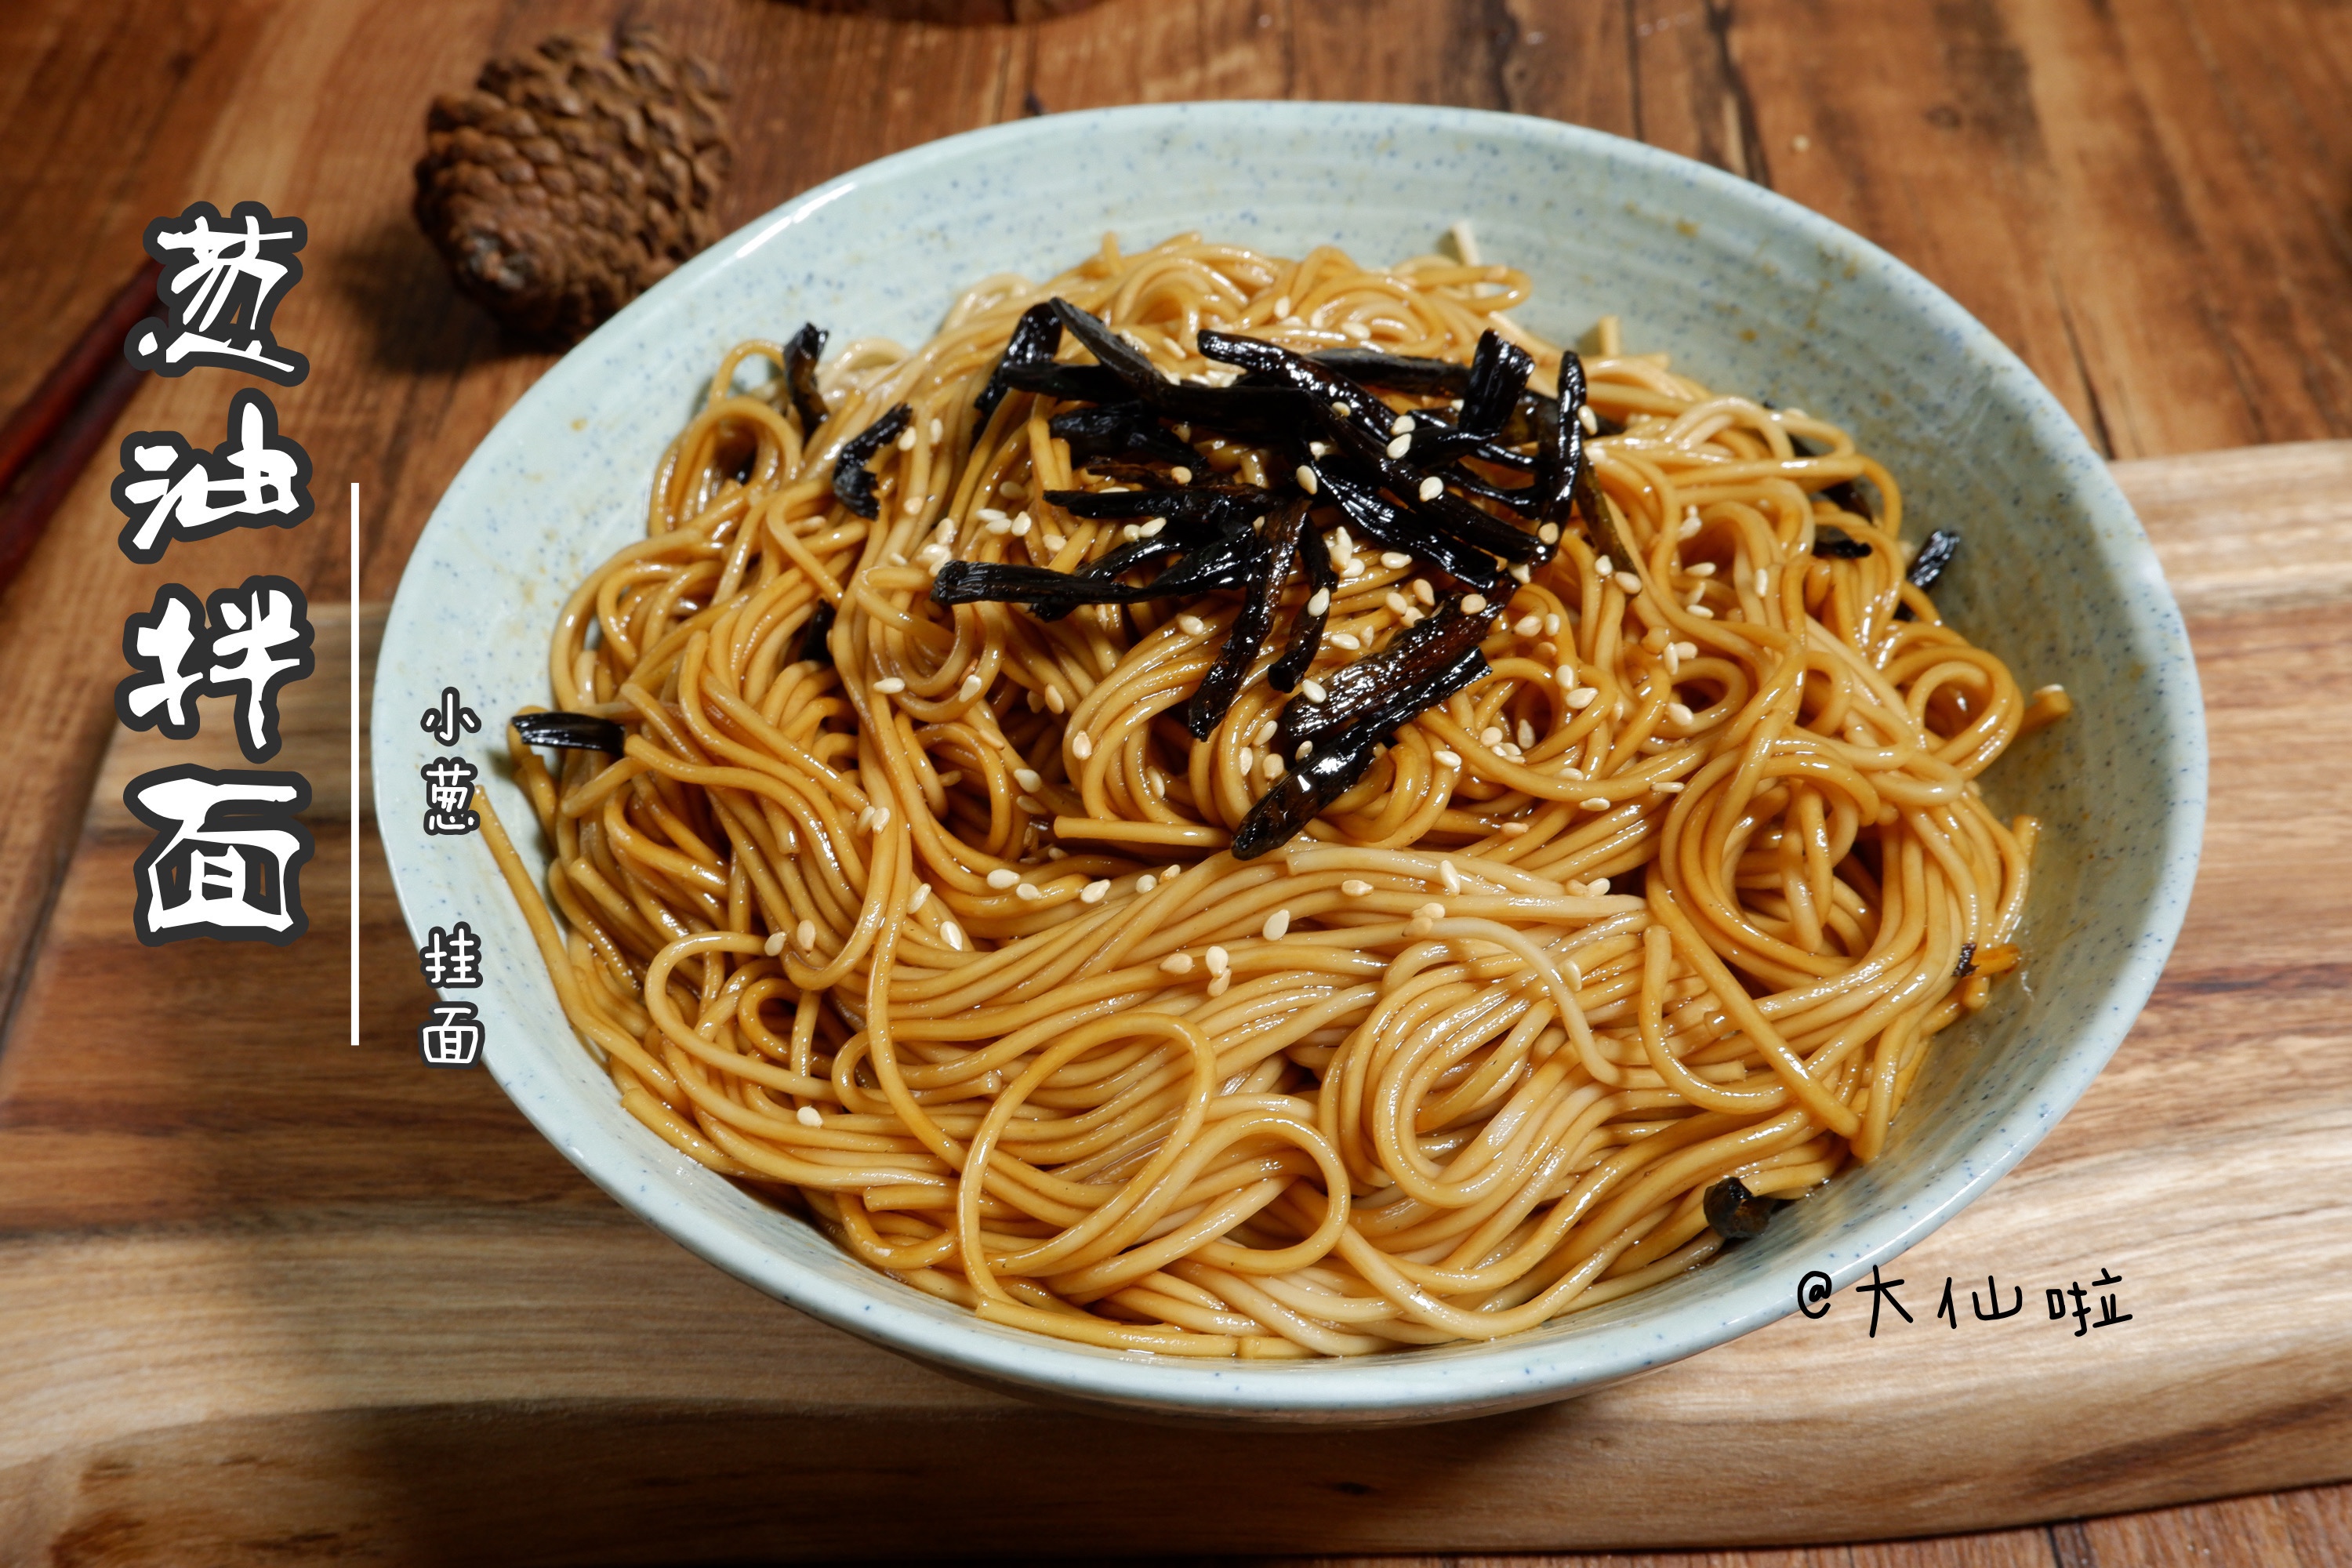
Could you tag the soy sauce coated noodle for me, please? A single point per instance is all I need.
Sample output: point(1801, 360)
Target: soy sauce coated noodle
point(941, 939)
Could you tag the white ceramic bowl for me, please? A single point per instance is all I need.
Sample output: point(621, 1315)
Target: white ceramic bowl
point(1747, 290)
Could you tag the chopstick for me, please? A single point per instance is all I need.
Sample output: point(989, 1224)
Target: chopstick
point(64, 420)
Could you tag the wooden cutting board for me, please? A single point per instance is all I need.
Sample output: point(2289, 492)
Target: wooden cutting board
point(268, 1298)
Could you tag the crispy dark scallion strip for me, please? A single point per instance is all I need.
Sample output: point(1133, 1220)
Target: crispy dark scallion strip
point(1936, 553)
point(1736, 1214)
point(1363, 706)
point(853, 481)
point(801, 355)
point(1251, 627)
point(571, 731)
point(1034, 338)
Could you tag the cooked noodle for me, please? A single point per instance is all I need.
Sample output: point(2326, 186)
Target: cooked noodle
point(1677, 893)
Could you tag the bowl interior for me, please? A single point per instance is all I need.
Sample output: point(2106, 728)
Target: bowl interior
point(1747, 291)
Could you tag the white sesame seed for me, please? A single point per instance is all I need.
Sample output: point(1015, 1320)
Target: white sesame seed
point(912, 505)
point(1702, 569)
point(881, 818)
point(1265, 733)
point(1272, 766)
point(1513, 829)
point(1306, 480)
point(1035, 702)
point(1687, 649)
point(997, 525)
point(1276, 927)
point(1430, 488)
point(1146, 882)
point(864, 818)
point(1347, 640)
point(1357, 330)
point(1130, 533)
point(889, 686)
point(774, 944)
point(969, 688)
point(1342, 407)
point(1447, 758)
point(1552, 625)
point(907, 439)
point(1351, 568)
point(1176, 964)
point(1603, 566)
point(1423, 592)
point(1527, 733)
point(1521, 573)
point(953, 934)
point(985, 514)
point(1491, 736)
point(1597, 887)
point(922, 896)
point(1056, 542)
point(1313, 688)
point(1157, 780)
point(939, 431)
point(1246, 759)
point(1003, 878)
point(1450, 877)
point(1356, 888)
point(1055, 701)
point(1152, 525)
point(1029, 779)
point(1432, 910)
point(1473, 603)
point(1628, 581)
point(1218, 961)
point(1282, 306)
point(806, 936)
point(1596, 803)
point(1680, 713)
point(1763, 580)
point(1320, 604)
point(1030, 891)
point(1191, 625)
point(1702, 611)
point(1395, 559)
point(1527, 626)
point(1221, 984)
point(1401, 445)
point(1181, 474)
point(808, 1115)
point(1305, 750)
point(1396, 602)
point(1173, 872)
point(1412, 617)
point(1022, 526)
point(1548, 533)
point(1589, 420)
point(1082, 746)
point(1691, 525)
point(1670, 786)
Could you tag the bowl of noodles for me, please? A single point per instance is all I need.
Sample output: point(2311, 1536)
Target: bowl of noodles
point(1295, 763)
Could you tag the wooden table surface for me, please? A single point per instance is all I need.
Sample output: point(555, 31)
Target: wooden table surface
point(2151, 200)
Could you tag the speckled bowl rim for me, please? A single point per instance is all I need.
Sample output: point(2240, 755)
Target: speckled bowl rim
point(1462, 1380)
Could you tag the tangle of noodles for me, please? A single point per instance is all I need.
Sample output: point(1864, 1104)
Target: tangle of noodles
point(935, 935)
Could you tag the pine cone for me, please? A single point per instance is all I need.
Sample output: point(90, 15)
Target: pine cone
point(569, 180)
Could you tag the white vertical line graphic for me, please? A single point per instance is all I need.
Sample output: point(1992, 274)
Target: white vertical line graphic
point(356, 763)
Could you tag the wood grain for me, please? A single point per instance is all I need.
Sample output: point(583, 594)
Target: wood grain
point(263, 1296)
